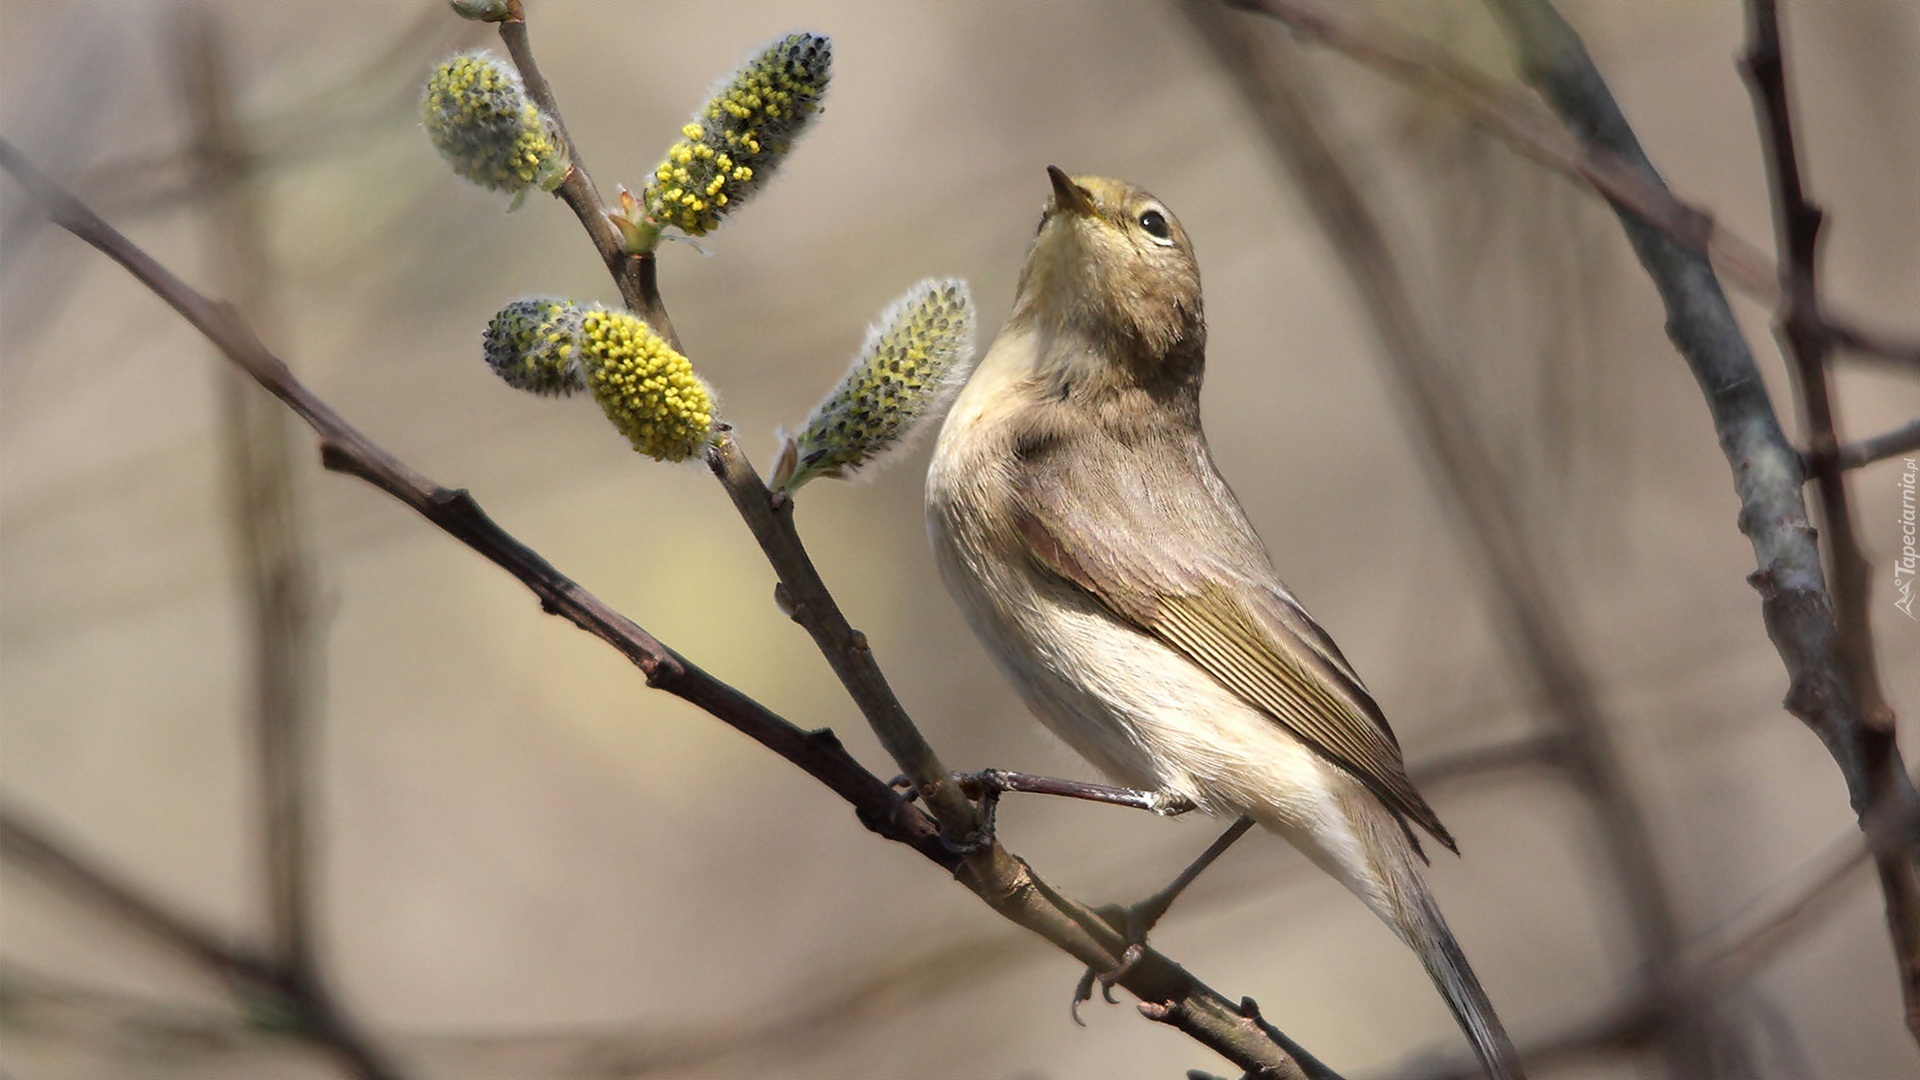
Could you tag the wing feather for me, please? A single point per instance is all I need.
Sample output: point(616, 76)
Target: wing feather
point(1208, 591)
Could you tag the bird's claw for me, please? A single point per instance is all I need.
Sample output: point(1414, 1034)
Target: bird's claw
point(1130, 923)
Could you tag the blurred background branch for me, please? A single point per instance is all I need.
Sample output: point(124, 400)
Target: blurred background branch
point(1804, 621)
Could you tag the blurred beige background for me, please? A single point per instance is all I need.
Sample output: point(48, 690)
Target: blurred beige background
point(526, 852)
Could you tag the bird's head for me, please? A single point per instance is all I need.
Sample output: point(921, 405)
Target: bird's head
point(1112, 264)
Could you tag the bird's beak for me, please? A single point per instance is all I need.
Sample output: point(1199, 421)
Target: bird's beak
point(1068, 195)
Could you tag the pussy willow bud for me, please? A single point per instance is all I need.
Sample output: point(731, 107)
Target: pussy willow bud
point(647, 389)
point(739, 137)
point(913, 363)
point(535, 344)
point(478, 115)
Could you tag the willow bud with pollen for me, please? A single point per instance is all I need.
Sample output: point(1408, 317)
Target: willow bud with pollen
point(913, 363)
point(740, 135)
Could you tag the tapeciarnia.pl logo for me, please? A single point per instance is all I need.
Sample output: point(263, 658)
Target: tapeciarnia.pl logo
point(1909, 560)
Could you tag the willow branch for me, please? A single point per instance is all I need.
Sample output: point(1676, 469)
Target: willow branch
point(1168, 993)
point(632, 273)
point(804, 596)
point(1767, 475)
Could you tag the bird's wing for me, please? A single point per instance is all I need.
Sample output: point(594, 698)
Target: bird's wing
point(1160, 542)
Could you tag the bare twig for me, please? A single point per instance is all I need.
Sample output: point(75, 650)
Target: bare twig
point(258, 982)
point(1535, 630)
point(1168, 993)
point(1887, 444)
point(1768, 476)
point(1532, 132)
point(805, 598)
point(1808, 343)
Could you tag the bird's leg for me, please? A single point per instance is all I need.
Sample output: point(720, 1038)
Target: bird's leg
point(1134, 920)
point(988, 784)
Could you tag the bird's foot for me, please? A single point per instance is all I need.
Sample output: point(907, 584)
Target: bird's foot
point(1132, 921)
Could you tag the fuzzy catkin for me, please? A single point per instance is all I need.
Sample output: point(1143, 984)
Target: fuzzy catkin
point(535, 345)
point(740, 135)
point(647, 389)
point(477, 114)
point(913, 363)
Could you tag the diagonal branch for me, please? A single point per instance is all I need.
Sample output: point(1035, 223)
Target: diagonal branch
point(1900, 440)
point(635, 274)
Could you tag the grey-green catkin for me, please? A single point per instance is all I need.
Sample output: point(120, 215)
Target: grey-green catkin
point(913, 363)
point(535, 345)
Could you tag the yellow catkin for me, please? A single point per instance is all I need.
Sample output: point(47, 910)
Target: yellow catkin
point(647, 390)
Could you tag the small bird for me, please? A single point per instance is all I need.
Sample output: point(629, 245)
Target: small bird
point(1079, 521)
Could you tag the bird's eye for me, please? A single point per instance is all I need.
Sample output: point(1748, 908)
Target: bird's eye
point(1155, 223)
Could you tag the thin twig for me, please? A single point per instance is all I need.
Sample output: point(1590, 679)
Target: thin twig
point(1768, 477)
point(1169, 994)
point(1536, 631)
point(807, 601)
point(1887, 444)
point(1528, 129)
point(634, 274)
point(1808, 342)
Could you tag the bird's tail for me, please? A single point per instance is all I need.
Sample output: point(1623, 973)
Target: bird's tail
point(1417, 919)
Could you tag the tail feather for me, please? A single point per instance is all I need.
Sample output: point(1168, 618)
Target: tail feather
point(1419, 922)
